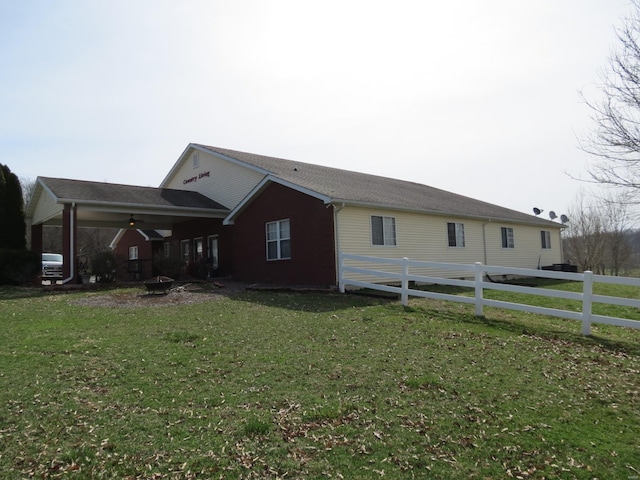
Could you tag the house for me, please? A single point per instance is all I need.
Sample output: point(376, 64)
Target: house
point(142, 246)
point(76, 203)
point(270, 220)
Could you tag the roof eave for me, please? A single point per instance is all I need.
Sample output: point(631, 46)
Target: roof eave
point(176, 166)
point(203, 148)
point(116, 239)
point(260, 187)
point(483, 218)
point(40, 187)
point(123, 206)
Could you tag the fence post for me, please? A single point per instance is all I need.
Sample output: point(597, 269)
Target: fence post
point(405, 282)
point(341, 273)
point(479, 292)
point(587, 292)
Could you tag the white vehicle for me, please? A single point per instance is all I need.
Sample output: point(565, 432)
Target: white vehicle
point(51, 266)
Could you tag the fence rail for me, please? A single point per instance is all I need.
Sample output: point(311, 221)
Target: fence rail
point(387, 281)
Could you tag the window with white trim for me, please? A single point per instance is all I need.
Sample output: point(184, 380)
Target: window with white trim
point(455, 234)
point(196, 160)
point(278, 240)
point(133, 252)
point(507, 237)
point(545, 239)
point(383, 230)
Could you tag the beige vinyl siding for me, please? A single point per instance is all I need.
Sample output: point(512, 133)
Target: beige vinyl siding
point(556, 245)
point(225, 182)
point(527, 251)
point(425, 237)
point(46, 208)
point(418, 237)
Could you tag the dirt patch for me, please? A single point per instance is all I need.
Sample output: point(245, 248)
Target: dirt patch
point(179, 295)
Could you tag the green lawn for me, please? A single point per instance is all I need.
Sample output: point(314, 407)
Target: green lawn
point(286, 385)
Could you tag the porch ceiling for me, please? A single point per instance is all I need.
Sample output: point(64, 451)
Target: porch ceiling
point(111, 205)
point(119, 217)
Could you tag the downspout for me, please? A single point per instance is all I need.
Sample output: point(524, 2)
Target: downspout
point(72, 220)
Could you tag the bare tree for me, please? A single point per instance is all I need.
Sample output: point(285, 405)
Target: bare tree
point(615, 142)
point(597, 237)
point(28, 186)
point(584, 240)
point(617, 227)
point(93, 241)
point(52, 239)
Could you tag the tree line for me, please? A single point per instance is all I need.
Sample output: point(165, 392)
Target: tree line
point(600, 237)
point(18, 265)
point(12, 233)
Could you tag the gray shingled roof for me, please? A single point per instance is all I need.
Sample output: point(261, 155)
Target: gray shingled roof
point(363, 189)
point(96, 192)
point(152, 234)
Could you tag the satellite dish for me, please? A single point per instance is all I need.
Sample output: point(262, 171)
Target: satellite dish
point(564, 218)
point(537, 211)
point(552, 215)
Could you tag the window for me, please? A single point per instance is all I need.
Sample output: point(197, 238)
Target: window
point(185, 251)
point(167, 249)
point(507, 237)
point(545, 238)
point(213, 251)
point(196, 160)
point(383, 230)
point(133, 265)
point(198, 252)
point(455, 232)
point(278, 240)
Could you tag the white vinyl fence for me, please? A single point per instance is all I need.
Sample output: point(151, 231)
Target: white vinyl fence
point(384, 274)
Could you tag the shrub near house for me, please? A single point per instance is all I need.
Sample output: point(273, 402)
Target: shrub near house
point(18, 267)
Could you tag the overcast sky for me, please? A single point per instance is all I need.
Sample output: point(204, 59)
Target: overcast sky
point(477, 97)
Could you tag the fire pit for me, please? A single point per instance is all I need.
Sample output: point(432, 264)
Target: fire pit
point(158, 284)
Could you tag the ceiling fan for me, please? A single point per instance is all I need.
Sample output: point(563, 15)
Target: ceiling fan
point(133, 222)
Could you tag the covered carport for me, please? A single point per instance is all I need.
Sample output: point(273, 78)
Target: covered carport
point(77, 203)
